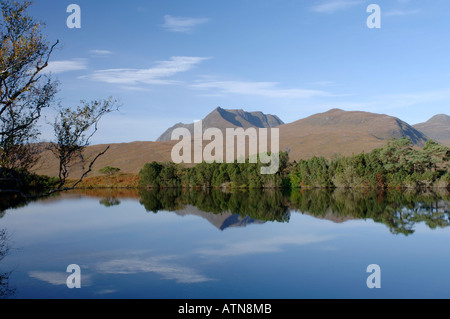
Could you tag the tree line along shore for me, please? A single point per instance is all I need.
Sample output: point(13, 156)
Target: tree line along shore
point(396, 165)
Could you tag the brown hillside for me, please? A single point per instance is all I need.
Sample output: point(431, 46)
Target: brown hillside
point(129, 157)
point(342, 132)
point(325, 134)
point(437, 128)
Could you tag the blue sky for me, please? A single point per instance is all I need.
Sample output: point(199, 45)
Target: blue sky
point(175, 61)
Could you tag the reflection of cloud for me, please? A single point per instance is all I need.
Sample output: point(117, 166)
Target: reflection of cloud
point(269, 245)
point(167, 270)
point(106, 291)
point(57, 278)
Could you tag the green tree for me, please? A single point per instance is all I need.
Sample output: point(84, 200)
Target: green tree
point(108, 170)
point(24, 90)
point(436, 153)
point(150, 175)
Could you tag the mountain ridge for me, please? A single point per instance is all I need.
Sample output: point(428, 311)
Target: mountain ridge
point(228, 118)
point(436, 128)
point(323, 134)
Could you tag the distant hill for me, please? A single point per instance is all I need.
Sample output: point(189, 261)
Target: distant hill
point(323, 134)
point(437, 128)
point(344, 132)
point(223, 119)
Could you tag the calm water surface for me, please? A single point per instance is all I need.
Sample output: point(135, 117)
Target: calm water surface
point(178, 244)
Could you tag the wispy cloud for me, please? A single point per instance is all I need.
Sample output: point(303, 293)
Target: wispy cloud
point(158, 74)
point(415, 98)
point(401, 12)
point(332, 6)
point(270, 245)
point(133, 88)
point(56, 67)
point(323, 83)
point(266, 89)
point(100, 53)
point(384, 102)
point(57, 278)
point(159, 265)
point(182, 24)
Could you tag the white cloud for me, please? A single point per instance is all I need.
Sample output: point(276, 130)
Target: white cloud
point(100, 53)
point(266, 89)
point(182, 24)
point(56, 67)
point(269, 245)
point(57, 278)
point(170, 271)
point(401, 12)
point(323, 83)
point(134, 88)
point(386, 102)
point(106, 291)
point(334, 5)
point(409, 99)
point(155, 75)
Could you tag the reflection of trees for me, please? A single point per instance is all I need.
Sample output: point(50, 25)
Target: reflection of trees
point(257, 204)
point(166, 199)
point(11, 200)
point(400, 211)
point(5, 290)
point(109, 201)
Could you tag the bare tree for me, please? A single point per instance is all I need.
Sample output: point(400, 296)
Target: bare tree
point(73, 129)
point(24, 90)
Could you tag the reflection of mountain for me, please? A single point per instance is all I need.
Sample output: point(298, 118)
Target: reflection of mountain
point(399, 211)
point(331, 216)
point(249, 205)
point(220, 221)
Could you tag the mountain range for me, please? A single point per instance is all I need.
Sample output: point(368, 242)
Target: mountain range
point(323, 134)
point(223, 119)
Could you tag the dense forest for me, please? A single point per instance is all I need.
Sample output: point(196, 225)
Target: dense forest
point(396, 165)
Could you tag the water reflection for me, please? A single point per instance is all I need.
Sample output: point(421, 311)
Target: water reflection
point(6, 291)
point(400, 211)
point(135, 243)
point(221, 209)
point(110, 201)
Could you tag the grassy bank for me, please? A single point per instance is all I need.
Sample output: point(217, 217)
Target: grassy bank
point(121, 180)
